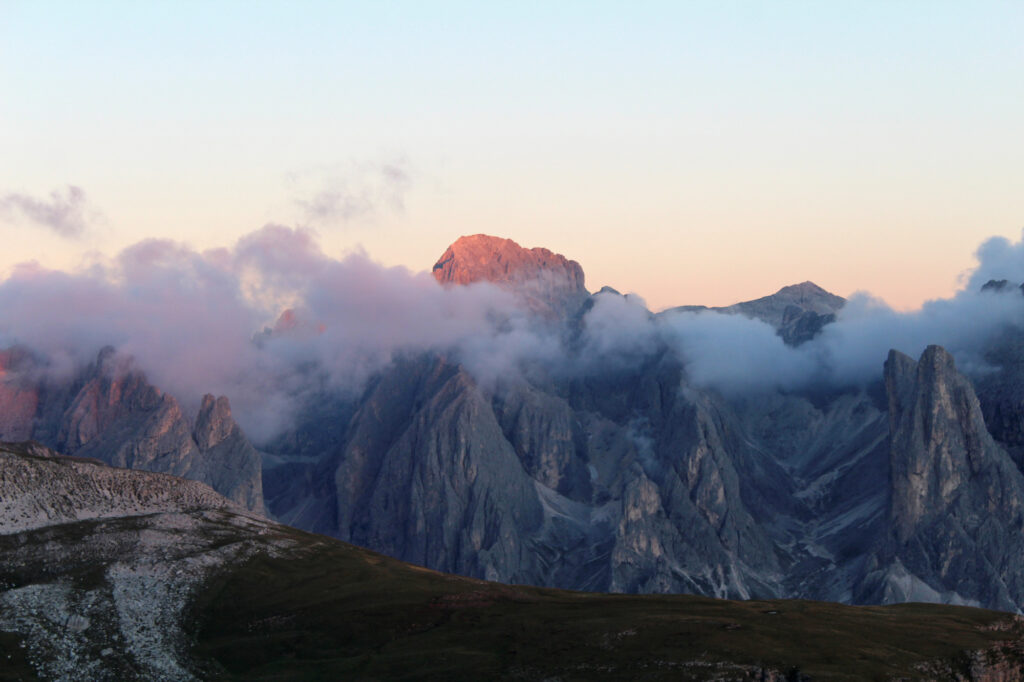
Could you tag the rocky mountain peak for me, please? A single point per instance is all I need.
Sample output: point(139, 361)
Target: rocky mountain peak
point(109, 411)
point(809, 297)
point(1000, 285)
point(797, 312)
point(956, 496)
point(214, 423)
point(549, 283)
point(995, 285)
point(937, 434)
point(943, 459)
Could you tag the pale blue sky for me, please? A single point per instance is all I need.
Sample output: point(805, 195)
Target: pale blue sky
point(688, 151)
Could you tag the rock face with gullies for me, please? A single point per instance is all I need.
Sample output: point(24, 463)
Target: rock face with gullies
point(956, 513)
point(227, 461)
point(110, 412)
point(549, 284)
point(548, 484)
point(630, 478)
point(426, 476)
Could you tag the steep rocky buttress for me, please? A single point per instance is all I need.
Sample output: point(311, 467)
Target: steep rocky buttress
point(548, 283)
point(111, 412)
point(956, 512)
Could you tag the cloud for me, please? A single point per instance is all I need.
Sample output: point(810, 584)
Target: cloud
point(359, 192)
point(192, 320)
point(66, 212)
point(211, 322)
point(998, 259)
point(736, 354)
point(739, 355)
point(619, 333)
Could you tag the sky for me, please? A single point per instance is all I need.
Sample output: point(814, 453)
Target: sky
point(691, 152)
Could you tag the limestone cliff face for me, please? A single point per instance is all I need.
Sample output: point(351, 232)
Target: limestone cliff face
point(227, 461)
point(546, 435)
point(549, 484)
point(428, 477)
point(19, 397)
point(957, 527)
point(548, 283)
point(943, 458)
point(111, 412)
point(119, 418)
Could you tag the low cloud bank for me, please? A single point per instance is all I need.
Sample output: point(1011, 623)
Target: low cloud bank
point(736, 354)
point(199, 322)
point(211, 321)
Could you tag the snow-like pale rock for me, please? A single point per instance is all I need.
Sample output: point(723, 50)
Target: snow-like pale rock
point(45, 488)
point(98, 565)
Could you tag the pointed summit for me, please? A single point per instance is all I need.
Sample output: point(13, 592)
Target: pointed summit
point(955, 508)
point(798, 311)
point(548, 283)
point(811, 294)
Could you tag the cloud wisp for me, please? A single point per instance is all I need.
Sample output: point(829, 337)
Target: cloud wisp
point(358, 193)
point(66, 212)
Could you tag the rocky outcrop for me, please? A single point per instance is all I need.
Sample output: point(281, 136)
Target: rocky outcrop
point(797, 312)
point(548, 484)
point(957, 500)
point(426, 476)
point(100, 565)
point(943, 458)
point(789, 303)
point(547, 436)
point(19, 396)
point(997, 286)
point(110, 412)
point(549, 284)
point(122, 419)
point(39, 487)
point(226, 460)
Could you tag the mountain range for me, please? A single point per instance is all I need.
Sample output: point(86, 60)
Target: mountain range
point(610, 469)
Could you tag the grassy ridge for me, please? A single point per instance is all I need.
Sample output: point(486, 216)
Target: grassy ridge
point(342, 612)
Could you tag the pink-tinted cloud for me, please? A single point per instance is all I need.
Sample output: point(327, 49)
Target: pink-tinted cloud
point(194, 321)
